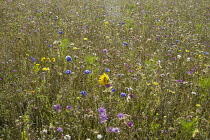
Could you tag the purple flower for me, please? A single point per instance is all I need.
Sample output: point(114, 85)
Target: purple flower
point(123, 95)
point(131, 95)
point(105, 50)
point(57, 107)
point(59, 129)
point(101, 110)
point(120, 115)
point(129, 124)
point(108, 85)
point(179, 80)
point(103, 117)
point(113, 129)
point(68, 107)
point(33, 59)
point(174, 58)
point(107, 60)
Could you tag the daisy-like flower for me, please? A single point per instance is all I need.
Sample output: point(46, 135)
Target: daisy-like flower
point(104, 79)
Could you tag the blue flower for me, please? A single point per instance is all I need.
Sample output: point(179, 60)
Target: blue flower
point(123, 95)
point(119, 74)
point(87, 72)
point(49, 45)
point(114, 89)
point(125, 43)
point(107, 70)
point(60, 32)
point(33, 59)
point(83, 93)
point(68, 72)
point(68, 58)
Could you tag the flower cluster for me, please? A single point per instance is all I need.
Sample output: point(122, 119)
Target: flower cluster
point(103, 115)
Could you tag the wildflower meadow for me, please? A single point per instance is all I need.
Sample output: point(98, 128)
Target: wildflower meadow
point(105, 69)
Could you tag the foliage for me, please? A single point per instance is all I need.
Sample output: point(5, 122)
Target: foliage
point(104, 69)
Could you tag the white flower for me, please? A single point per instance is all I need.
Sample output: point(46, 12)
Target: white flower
point(194, 93)
point(179, 56)
point(67, 137)
point(188, 59)
point(44, 131)
point(99, 136)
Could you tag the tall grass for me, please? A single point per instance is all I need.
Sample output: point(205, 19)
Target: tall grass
point(156, 54)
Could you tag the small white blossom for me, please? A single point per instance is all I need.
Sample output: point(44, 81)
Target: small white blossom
point(179, 56)
point(67, 137)
point(99, 136)
point(44, 131)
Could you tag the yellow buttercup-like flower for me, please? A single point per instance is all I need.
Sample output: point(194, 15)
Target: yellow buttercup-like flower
point(104, 79)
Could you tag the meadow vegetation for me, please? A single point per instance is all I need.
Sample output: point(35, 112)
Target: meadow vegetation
point(105, 69)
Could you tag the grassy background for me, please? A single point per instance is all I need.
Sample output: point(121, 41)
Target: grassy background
point(158, 54)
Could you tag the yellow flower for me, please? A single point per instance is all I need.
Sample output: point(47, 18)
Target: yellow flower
point(37, 64)
point(106, 22)
point(187, 51)
point(104, 79)
point(85, 39)
point(43, 58)
point(75, 48)
point(107, 37)
point(32, 91)
point(53, 59)
point(198, 105)
point(45, 68)
point(155, 83)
